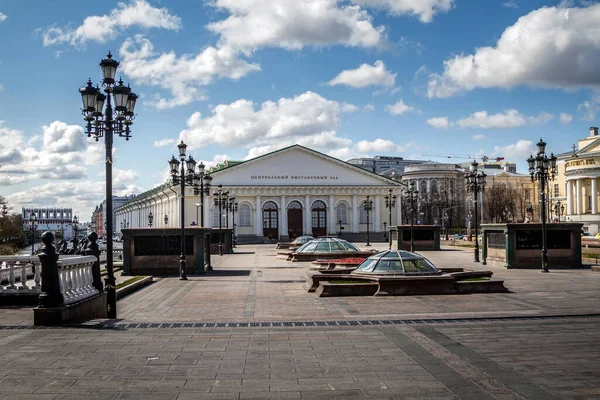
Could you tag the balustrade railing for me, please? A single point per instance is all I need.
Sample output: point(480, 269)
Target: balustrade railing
point(15, 271)
point(76, 279)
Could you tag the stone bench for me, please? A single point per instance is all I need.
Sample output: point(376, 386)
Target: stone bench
point(327, 289)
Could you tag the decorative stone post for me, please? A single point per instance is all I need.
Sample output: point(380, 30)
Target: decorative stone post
point(50, 295)
point(92, 249)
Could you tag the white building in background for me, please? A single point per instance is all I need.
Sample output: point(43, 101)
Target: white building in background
point(283, 194)
point(50, 219)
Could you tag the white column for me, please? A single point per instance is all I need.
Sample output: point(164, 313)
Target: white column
point(354, 214)
point(331, 224)
point(569, 197)
point(258, 228)
point(306, 216)
point(377, 217)
point(579, 197)
point(283, 222)
point(594, 195)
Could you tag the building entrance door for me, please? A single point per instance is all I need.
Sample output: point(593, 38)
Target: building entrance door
point(294, 214)
point(270, 220)
point(319, 220)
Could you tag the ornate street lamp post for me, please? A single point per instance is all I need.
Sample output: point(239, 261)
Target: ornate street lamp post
point(390, 203)
point(368, 206)
point(75, 227)
point(201, 182)
point(542, 168)
point(445, 224)
point(182, 177)
point(221, 202)
point(32, 228)
point(233, 207)
point(411, 195)
point(166, 219)
point(475, 183)
point(106, 124)
point(150, 219)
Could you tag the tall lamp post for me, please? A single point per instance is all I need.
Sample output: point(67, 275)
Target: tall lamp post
point(341, 228)
point(150, 219)
point(166, 219)
point(182, 177)
point(475, 183)
point(221, 202)
point(411, 195)
point(233, 207)
point(75, 227)
point(542, 168)
point(32, 227)
point(201, 182)
point(368, 206)
point(106, 124)
point(390, 203)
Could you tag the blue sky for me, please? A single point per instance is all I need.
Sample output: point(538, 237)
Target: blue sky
point(238, 78)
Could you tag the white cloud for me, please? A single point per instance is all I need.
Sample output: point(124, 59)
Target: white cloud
point(377, 146)
point(365, 75)
point(511, 4)
point(122, 176)
point(551, 47)
point(286, 121)
point(565, 118)
point(399, 108)
point(369, 107)
point(517, 151)
point(424, 9)
point(181, 75)
point(478, 137)
point(164, 142)
point(511, 118)
point(103, 28)
point(292, 25)
point(589, 108)
point(3, 17)
point(439, 122)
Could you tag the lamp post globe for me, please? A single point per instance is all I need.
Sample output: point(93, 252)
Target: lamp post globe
point(475, 184)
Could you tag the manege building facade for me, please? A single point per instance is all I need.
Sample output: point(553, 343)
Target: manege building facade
point(576, 186)
point(280, 195)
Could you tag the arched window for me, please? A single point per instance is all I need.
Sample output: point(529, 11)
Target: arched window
point(244, 215)
point(341, 213)
point(363, 213)
point(294, 205)
point(269, 205)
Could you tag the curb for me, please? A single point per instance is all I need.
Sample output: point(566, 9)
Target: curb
point(134, 287)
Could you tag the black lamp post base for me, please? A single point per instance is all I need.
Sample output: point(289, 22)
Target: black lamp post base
point(183, 278)
point(545, 271)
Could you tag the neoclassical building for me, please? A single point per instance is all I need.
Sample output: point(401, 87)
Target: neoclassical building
point(283, 194)
point(576, 186)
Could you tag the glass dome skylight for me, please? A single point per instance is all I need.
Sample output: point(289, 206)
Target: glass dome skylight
point(396, 262)
point(327, 245)
point(302, 239)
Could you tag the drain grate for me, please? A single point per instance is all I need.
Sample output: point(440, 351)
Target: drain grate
point(303, 324)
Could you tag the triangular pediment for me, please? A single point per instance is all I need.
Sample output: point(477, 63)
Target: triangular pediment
point(297, 166)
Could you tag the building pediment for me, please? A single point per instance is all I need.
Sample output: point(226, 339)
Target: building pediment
point(297, 166)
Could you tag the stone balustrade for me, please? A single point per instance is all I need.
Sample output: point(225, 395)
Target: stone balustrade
point(15, 271)
point(76, 279)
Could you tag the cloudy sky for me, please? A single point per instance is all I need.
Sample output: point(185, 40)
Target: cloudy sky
point(235, 79)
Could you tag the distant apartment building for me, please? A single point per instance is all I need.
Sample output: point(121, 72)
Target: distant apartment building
point(383, 165)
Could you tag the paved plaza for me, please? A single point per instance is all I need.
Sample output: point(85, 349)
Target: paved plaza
point(249, 330)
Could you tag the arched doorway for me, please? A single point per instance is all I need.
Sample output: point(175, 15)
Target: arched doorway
point(319, 220)
point(294, 214)
point(270, 220)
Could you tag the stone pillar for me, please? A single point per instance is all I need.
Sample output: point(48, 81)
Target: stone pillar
point(594, 195)
point(570, 197)
point(283, 224)
point(306, 216)
point(377, 214)
point(331, 223)
point(258, 228)
point(354, 214)
point(579, 197)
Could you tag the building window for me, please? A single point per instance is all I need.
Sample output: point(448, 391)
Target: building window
point(556, 191)
point(244, 215)
point(363, 214)
point(342, 213)
point(216, 217)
